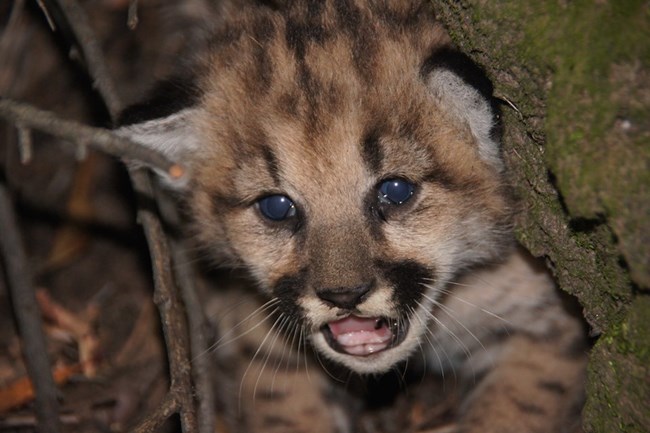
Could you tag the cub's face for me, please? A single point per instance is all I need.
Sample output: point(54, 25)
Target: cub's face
point(352, 183)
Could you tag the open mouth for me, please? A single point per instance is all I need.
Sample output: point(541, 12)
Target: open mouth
point(363, 336)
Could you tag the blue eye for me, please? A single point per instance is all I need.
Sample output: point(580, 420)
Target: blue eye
point(395, 191)
point(277, 207)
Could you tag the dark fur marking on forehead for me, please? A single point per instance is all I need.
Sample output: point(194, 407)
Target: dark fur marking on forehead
point(332, 97)
point(408, 127)
point(304, 29)
point(362, 35)
point(264, 31)
point(304, 26)
point(348, 13)
point(364, 53)
point(271, 164)
point(314, 8)
point(312, 89)
point(288, 103)
point(261, 81)
point(406, 277)
point(372, 151)
point(321, 99)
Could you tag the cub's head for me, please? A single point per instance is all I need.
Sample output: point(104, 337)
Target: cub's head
point(347, 157)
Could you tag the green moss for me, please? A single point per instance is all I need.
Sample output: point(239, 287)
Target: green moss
point(579, 73)
point(572, 50)
point(578, 41)
point(619, 376)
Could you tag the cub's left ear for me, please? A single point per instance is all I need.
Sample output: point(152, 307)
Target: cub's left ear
point(166, 123)
point(464, 89)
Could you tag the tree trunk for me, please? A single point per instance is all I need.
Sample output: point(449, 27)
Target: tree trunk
point(577, 141)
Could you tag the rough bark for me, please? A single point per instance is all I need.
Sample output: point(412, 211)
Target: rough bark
point(578, 146)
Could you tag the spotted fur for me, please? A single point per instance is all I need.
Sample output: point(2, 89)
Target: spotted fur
point(322, 102)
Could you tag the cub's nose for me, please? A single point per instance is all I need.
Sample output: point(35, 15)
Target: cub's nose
point(344, 297)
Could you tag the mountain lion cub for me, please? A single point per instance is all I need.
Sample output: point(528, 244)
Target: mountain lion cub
point(346, 157)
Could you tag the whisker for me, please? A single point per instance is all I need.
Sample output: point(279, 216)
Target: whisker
point(467, 352)
point(302, 339)
point(451, 294)
point(281, 332)
point(449, 312)
point(250, 363)
point(435, 348)
point(276, 333)
point(296, 328)
point(219, 343)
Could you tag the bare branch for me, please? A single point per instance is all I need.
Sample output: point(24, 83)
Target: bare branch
point(157, 418)
point(92, 54)
point(201, 365)
point(171, 311)
point(132, 20)
point(46, 12)
point(179, 397)
point(28, 117)
point(24, 144)
point(165, 295)
point(28, 317)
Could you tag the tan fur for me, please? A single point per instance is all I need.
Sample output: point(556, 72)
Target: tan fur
point(321, 102)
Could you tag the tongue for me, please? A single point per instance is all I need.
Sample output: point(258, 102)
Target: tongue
point(361, 336)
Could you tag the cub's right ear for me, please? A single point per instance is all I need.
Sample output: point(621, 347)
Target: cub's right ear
point(166, 123)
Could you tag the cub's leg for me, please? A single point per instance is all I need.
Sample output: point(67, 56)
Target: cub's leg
point(519, 352)
point(535, 387)
point(288, 401)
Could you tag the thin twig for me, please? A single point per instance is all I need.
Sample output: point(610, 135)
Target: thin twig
point(201, 365)
point(33, 118)
point(28, 317)
point(132, 19)
point(171, 311)
point(157, 418)
point(12, 45)
point(179, 397)
point(165, 298)
point(46, 12)
point(92, 54)
point(24, 144)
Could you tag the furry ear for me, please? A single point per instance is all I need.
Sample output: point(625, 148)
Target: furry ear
point(463, 87)
point(172, 135)
point(165, 123)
